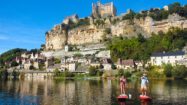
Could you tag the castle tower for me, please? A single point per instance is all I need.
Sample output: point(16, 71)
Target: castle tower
point(103, 10)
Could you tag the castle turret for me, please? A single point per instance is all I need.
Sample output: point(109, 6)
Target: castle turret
point(103, 10)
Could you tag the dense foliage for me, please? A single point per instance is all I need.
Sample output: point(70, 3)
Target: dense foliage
point(94, 71)
point(158, 14)
point(10, 55)
point(81, 22)
point(168, 70)
point(179, 71)
point(139, 48)
point(125, 73)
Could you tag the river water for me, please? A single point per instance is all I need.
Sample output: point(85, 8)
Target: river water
point(89, 92)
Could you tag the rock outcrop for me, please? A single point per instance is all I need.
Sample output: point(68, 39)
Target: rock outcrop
point(93, 33)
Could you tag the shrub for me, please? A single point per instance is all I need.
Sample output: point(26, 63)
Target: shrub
point(99, 73)
point(92, 71)
point(113, 66)
point(57, 61)
point(41, 66)
point(78, 55)
point(120, 72)
point(56, 72)
point(107, 31)
point(14, 63)
point(168, 70)
point(68, 74)
point(179, 71)
point(127, 74)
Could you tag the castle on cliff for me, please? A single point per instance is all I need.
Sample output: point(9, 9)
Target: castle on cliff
point(103, 10)
point(90, 30)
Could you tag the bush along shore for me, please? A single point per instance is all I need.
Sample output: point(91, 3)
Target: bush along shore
point(166, 71)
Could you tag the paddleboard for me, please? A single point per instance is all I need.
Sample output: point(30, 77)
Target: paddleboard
point(143, 97)
point(122, 97)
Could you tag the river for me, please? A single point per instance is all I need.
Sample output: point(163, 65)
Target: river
point(88, 92)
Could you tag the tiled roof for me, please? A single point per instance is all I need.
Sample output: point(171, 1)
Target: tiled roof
point(129, 62)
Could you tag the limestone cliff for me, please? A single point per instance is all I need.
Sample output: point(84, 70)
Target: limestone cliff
point(56, 38)
point(94, 31)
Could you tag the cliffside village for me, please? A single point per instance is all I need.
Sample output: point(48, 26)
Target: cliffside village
point(42, 64)
point(59, 53)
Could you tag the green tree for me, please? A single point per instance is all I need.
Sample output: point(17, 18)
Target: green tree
point(130, 15)
point(10, 55)
point(57, 61)
point(179, 71)
point(127, 74)
point(56, 72)
point(107, 31)
point(14, 63)
point(93, 71)
point(78, 55)
point(113, 66)
point(120, 72)
point(168, 70)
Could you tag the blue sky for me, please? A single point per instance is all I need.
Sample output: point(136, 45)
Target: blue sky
point(23, 23)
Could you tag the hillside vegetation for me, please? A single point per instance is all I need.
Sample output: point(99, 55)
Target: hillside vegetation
point(159, 14)
point(12, 54)
point(140, 48)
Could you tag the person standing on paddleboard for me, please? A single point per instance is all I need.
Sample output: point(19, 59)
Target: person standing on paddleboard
point(123, 82)
point(144, 83)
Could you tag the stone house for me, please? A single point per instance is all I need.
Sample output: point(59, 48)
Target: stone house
point(167, 58)
point(126, 64)
point(106, 62)
point(72, 67)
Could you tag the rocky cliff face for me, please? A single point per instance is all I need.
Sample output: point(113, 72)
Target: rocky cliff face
point(84, 35)
point(93, 33)
point(56, 38)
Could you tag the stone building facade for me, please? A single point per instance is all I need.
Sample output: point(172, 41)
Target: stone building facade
point(103, 10)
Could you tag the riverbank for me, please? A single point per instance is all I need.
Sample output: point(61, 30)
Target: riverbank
point(152, 73)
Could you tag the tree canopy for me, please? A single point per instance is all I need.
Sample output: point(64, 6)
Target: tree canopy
point(158, 14)
point(140, 48)
point(10, 55)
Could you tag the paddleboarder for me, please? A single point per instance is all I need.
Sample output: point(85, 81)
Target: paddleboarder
point(123, 82)
point(144, 83)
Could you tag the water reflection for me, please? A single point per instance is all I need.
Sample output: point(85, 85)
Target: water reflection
point(88, 92)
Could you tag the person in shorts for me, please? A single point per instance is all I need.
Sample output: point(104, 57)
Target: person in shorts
point(144, 83)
